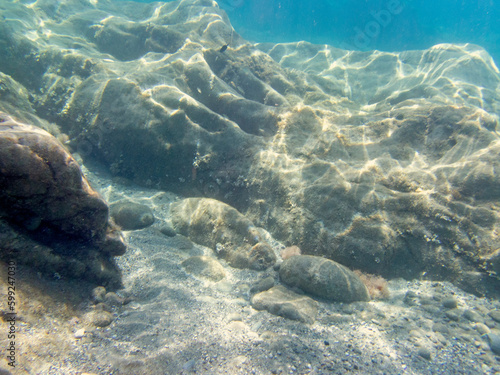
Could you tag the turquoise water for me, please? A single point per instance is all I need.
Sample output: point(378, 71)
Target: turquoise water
point(388, 25)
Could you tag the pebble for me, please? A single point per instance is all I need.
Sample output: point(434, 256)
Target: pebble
point(482, 329)
point(494, 342)
point(424, 353)
point(262, 285)
point(440, 327)
point(168, 231)
point(98, 294)
point(130, 215)
point(80, 333)
point(450, 303)
point(113, 299)
point(453, 315)
point(101, 318)
point(495, 315)
point(189, 365)
point(473, 316)
point(234, 317)
point(410, 298)
point(101, 306)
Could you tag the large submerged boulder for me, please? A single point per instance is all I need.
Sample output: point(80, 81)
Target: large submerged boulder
point(45, 198)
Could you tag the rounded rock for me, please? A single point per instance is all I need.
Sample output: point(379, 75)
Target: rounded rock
point(98, 293)
point(424, 353)
point(323, 278)
point(495, 315)
point(494, 342)
point(168, 231)
point(450, 303)
point(131, 216)
point(101, 318)
point(262, 285)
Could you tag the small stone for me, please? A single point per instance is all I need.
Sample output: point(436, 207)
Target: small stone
point(453, 314)
point(450, 303)
point(473, 316)
point(237, 326)
point(101, 318)
point(189, 365)
point(222, 228)
point(168, 231)
point(411, 295)
point(495, 315)
point(426, 300)
point(482, 329)
point(102, 306)
point(113, 299)
point(131, 216)
point(424, 353)
point(490, 323)
point(98, 294)
point(440, 327)
point(410, 298)
point(234, 317)
point(80, 333)
point(494, 342)
point(267, 335)
point(262, 285)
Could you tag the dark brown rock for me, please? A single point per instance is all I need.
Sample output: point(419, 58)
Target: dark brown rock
point(45, 196)
point(42, 185)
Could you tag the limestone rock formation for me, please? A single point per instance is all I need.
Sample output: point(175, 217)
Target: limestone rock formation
point(45, 197)
point(323, 278)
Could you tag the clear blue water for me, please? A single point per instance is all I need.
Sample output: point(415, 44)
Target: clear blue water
point(388, 25)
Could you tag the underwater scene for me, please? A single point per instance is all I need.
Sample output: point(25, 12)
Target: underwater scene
point(249, 187)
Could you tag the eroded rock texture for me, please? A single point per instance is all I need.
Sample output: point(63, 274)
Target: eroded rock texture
point(50, 217)
point(386, 162)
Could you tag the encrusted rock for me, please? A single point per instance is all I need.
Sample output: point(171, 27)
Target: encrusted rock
point(323, 278)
